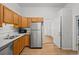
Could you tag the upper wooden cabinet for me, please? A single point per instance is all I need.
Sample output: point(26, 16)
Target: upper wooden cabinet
point(20, 21)
point(8, 15)
point(29, 21)
point(24, 22)
point(15, 18)
point(1, 15)
point(37, 19)
point(17, 22)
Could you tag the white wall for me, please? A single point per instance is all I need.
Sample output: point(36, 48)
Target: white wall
point(66, 14)
point(13, 6)
point(75, 12)
point(56, 30)
point(71, 24)
point(46, 12)
point(67, 27)
point(55, 26)
point(49, 13)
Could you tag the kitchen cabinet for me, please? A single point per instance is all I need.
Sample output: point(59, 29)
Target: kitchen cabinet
point(21, 43)
point(37, 19)
point(20, 21)
point(18, 45)
point(18, 24)
point(8, 15)
point(29, 22)
point(15, 18)
point(24, 22)
point(1, 15)
point(27, 40)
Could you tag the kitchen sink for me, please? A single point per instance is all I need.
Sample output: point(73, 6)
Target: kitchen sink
point(11, 37)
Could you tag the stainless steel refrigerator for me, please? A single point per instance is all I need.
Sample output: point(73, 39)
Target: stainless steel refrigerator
point(36, 35)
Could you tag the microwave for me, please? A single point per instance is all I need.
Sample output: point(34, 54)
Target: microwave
point(22, 30)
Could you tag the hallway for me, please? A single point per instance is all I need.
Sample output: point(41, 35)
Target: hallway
point(48, 49)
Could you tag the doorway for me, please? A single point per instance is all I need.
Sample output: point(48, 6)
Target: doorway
point(77, 33)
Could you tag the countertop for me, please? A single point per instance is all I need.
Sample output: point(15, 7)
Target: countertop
point(5, 42)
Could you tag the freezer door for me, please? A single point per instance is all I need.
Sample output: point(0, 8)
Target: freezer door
point(36, 26)
point(36, 39)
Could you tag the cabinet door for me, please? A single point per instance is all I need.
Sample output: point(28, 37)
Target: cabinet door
point(8, 16)
point(16, 47)
point(1, 15)
point(21, 43)
point(27, 40)
point(37, 19)
point(29, 21)
point(19, 22)
point(16, 19)
point(24, 22)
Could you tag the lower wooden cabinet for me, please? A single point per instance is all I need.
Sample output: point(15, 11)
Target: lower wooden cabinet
point(21, 44)
point(18, 45)
point(27, 40)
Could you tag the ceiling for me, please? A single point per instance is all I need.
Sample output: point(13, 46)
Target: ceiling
point(59, 5)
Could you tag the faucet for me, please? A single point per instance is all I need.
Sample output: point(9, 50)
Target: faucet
point(8, 36)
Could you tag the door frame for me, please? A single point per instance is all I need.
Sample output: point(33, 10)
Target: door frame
point(77, 18)
point(60, 31)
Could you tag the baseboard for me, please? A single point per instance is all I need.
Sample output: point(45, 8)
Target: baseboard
point(36, 47)
point(64, 48)
point(21, 50)
point(67, 49)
